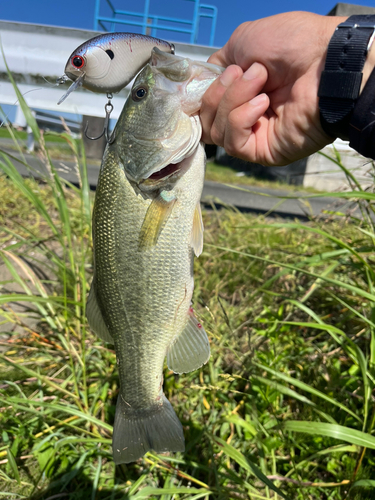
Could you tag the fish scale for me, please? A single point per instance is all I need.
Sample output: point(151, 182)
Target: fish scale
point(146, 230)
point(137, 291)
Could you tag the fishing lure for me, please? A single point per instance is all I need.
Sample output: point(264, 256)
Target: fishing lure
point(108, 62)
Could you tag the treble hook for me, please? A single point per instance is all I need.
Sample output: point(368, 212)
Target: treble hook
point(108, 110)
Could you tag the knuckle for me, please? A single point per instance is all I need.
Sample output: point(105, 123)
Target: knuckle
point(230, 148)
point(211, 97)
point(236, 70)
point(206, 137)
point(235, 118)
point(216, 136)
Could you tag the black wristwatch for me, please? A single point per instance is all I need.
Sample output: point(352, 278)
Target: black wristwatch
point(341, 79)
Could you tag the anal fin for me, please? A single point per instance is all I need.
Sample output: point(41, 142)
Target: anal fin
point(197, 231)
point(156, 216)
point(191, 349)
point(95, 318)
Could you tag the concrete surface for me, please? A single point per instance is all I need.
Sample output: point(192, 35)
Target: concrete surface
point(324, 174)
point(247, 198)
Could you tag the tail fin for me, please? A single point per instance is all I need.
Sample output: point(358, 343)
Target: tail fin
point(137, 431)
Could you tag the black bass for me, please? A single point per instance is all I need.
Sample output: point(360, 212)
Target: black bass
point(147, 225)
point(108, 62)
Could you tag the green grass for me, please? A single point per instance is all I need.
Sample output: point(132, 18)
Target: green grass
point(21, 135)
point(283, 409)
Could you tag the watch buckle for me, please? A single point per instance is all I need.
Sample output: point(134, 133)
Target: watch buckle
point(345, 24)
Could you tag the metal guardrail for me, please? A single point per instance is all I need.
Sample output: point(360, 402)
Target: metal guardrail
point(151, 23)
point(37, 54)
point(53, 122)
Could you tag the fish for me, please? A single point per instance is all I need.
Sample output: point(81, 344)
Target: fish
point(147, 226)
point(107, 63)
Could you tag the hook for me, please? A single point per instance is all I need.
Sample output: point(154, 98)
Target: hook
point(108, 110)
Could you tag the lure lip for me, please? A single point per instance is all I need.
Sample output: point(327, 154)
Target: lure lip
point(77, 83)
point(74, 74)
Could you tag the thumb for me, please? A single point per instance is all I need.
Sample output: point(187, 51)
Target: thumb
point(218, 58)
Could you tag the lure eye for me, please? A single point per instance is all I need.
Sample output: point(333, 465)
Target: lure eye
point(139, 93)
point(78, 61)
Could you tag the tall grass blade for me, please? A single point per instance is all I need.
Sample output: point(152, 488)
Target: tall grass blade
point(42, 378)
point(25, 108)
point(96, 478)
point(10, 170)
point(240, 459)
point(342, 284)
point(332, 430)
point(307, 388)
point(147, 492)
point(71, 410)
point(13, 465)
point(364, 483)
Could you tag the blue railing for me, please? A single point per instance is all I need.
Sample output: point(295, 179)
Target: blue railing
point(151, 23)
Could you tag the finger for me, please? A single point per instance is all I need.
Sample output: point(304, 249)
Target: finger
point(240, 138)
point(242, 90)
point(212, 98)
point(218, 58)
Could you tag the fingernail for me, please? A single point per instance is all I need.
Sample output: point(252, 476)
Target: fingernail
point(228, 77)
point(258, 100)
point(252, 72)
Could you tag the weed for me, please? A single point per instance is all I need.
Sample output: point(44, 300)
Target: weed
point(283, 409)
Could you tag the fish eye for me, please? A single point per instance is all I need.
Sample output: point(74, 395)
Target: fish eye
point(139, 93)
point(78, 61)
point(110, 53)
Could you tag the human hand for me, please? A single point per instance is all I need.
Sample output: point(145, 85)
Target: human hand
point(264, 107)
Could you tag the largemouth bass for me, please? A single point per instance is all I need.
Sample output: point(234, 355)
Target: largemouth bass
point(147, 225)
point(108, 62)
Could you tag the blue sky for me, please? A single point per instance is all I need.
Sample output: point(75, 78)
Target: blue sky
point(80, 13)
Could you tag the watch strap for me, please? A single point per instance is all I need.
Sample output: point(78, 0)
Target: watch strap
point(362, 122)
point(342, 76)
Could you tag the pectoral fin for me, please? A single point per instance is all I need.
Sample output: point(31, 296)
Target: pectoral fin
point(197, 231)
point(95, 318)
point(191, 349)
point(156, 216)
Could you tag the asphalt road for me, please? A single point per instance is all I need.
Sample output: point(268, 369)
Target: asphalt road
point(245, 198)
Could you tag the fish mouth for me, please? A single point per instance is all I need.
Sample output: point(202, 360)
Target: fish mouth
point(167, 171)
point(179, 162)
point(166, 175)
